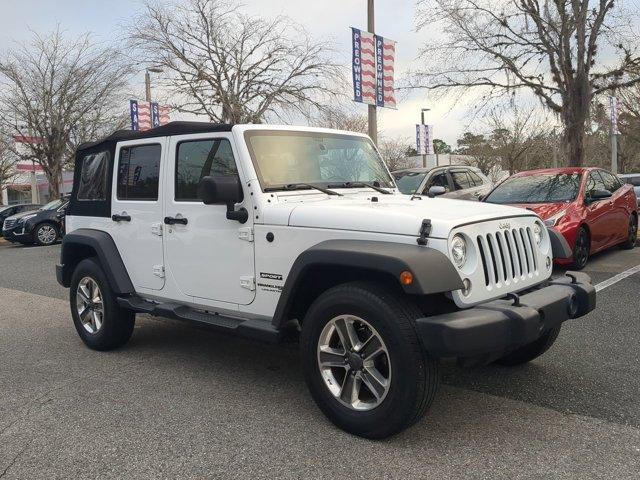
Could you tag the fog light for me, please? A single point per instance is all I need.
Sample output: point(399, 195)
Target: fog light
point(548, 263)
point(466, 290)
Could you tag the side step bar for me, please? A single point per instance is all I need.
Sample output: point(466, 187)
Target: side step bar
point(249, 328)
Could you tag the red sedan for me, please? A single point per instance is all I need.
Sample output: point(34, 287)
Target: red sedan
point(589, 206)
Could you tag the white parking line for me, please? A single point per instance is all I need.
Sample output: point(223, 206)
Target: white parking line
point(616, 278)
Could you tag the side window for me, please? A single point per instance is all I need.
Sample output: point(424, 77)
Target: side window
point(611, 182)
point(475, 178)
point(438, 180)
point(594, 182)
point(92, 184)
point(139, 172)
point(200, 158)
point(460, 180)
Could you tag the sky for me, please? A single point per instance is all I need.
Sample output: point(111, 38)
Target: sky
point(324, 19)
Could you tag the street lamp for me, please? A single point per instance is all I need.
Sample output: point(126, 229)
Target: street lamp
point(424, 155)
point(147, 80)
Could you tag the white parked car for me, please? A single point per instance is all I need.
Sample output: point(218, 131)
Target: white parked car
point(259, 230)
point(632, 179)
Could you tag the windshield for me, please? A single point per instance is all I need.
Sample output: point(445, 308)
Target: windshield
point(53, 205)
point(537, 189)
point(408, 181)
point(322, 159)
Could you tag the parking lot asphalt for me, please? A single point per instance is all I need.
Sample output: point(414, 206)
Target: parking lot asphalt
point(178, 402)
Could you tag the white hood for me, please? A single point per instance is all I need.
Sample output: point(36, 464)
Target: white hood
point(394, 214)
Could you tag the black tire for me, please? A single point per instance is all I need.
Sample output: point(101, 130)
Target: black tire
point(414, 376)
point(43, 240)
point(117, 323)
point(530, 351)
point(632, 234)
point(581, 249)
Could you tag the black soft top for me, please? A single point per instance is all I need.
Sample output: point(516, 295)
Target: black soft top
point(171, 128)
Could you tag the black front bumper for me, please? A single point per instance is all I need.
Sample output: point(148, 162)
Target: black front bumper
point(501, 326)
point(17, 234)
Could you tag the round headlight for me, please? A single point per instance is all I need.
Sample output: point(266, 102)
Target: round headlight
point(459, 250)
point(537, 233)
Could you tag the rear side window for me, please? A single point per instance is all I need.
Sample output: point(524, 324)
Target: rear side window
point(460, 180)
point(475, 178)
point(610, 181)
point(139, 172)
point(201, 158)
point(92, 185)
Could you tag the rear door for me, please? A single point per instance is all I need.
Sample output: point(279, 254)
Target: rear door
point(136, 210)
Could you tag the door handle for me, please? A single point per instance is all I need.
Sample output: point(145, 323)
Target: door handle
point(174, 220)
point(121, 218)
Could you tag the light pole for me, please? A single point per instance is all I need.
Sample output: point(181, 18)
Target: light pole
point(147, 81)
point(424, 155)
point(372, 109)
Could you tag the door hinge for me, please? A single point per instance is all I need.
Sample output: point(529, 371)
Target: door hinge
point(248, 282)
point(156, 229)
point(246, 234)
point(158, 271)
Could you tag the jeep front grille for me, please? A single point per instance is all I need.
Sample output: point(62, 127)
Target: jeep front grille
point(507, 255)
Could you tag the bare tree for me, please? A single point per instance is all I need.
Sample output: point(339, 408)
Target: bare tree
point(340, 118)
point(7, 163)
point(394, 152)
point(56, 93)
point(232, 67)
point(552, 49)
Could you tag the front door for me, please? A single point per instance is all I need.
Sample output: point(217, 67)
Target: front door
point(209, 256)
point(136, 210)
point(598, 212)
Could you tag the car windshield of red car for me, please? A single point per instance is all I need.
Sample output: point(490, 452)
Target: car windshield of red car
point(550, 188)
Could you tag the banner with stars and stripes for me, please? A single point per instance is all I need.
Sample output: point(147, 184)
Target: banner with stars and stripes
point(147, 115)
point(373, 69)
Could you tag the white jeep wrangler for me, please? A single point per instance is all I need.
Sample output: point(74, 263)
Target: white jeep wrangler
point(259, 230)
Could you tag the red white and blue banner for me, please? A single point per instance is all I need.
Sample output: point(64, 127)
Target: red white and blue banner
point(373, 68)
point(363, 66)
point(147, 115)
point(424, 139)
point(385, 60)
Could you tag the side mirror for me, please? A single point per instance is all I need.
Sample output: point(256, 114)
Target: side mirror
point(595, 195)
point(435, 191)
point(224, 189)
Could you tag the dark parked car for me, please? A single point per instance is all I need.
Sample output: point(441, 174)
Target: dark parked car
point(461, 182)
point(8, 210)
point(43, 226)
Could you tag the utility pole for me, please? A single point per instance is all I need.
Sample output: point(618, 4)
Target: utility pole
point(373, 114)
point(147, 81)
point(613, 132)
point(555, 148)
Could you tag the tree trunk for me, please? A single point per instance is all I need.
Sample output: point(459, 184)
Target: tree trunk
point(53, 177)
point(575, 112)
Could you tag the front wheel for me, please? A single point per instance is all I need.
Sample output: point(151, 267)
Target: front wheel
point(45, 234)
point(363, 361)
point(581, 249)
point(632, 233)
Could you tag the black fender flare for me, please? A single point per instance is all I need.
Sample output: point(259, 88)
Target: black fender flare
point(75, 247)
point(432, 271)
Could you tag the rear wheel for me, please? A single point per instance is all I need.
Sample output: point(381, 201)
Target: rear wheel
point(581, 249)
point(363, 361)
point(530, 351)
point(101, 323)
point(45, 234)
point(632, 233)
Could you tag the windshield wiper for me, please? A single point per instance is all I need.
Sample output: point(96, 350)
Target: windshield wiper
point(360, 185)
point(301, 186)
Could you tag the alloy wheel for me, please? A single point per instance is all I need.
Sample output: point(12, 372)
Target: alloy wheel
point(90, 305)
point(354, 362)
point(581, 252)
point(47, 234)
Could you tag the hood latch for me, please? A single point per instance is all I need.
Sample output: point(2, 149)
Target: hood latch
point(425, 230)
